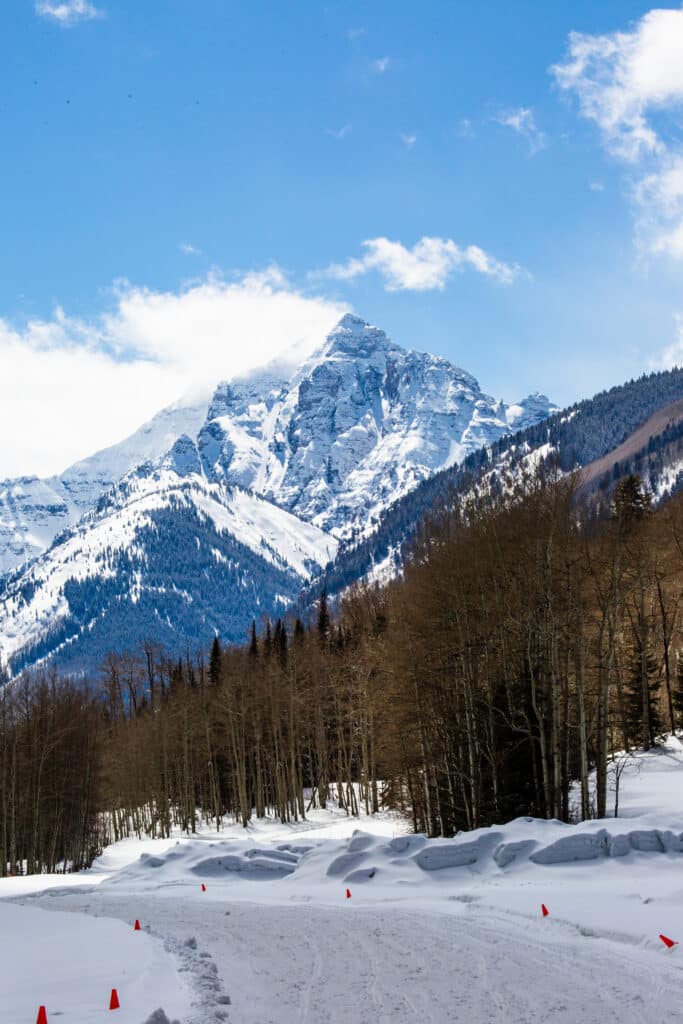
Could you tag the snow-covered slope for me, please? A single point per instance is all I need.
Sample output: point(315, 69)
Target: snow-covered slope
point(166, 554)
point(360, 424)
point(285, 467)
point(432, 930)
point(34, 511)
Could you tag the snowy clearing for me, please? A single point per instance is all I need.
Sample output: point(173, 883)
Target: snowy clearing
point(434, 930)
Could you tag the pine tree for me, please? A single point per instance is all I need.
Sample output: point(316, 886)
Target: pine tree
point(323, 617)
point(215, 662)
point(281, 641)
point(253, 644)
point(631, 501)
point(634, 711)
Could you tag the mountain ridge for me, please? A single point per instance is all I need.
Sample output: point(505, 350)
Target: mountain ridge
point(273, 473)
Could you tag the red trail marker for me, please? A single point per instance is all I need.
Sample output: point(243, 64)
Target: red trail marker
point(669, 943)
point(544, 910)
point(136, 927)
point(348, 894)
point(203, 887)
point(42, 1016)
point(114, 1003)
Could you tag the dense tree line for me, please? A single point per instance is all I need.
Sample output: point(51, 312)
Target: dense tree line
point(519, 648)
point(51, 735)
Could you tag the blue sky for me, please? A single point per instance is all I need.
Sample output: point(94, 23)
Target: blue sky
point(157, 155)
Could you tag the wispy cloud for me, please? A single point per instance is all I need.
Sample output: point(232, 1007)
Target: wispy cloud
point(96, 380)
point(381, 65)
point(189, 250)
point(355, 33)
point(339, 133)
point(630, 84)
point(408, 140)
point(523, 121)
point(426, 267)
point(672, 355)
point(596, 186)
point(69, 12)
point(466, 128)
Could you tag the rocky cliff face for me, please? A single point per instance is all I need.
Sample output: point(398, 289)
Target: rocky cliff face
point(220, 511)
point(362, 423)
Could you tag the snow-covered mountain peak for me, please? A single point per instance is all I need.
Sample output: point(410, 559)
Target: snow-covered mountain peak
point(530, 410)
point(361, 422)
point(239, 495)
point(356, 338)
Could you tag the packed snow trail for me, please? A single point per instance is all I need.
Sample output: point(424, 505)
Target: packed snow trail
point(300, 964)
point(436, 931)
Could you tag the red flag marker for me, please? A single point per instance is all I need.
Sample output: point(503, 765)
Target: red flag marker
point(136, 927)
point(669, 943)
point(348, 894)
point(544, 910)
point(42, 1016)
point(203, 887)
point(114, 1003)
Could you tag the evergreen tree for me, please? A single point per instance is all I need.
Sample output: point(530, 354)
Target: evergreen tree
point(215, 662)
point(253, 643)
point(281, 641)
point(631, 501)
point(634, 696)
point(323, 617)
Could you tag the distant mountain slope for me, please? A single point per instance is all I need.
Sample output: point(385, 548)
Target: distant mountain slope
point(34, 511)
point(228, 519)
point(588, 434)
point(360, 424)
point(664, 422)
point(166, 556)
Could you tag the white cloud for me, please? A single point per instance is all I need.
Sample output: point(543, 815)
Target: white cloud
point(339, 133)
point(425, 267)
point(70, 386)
point(381, 65)
point(189, 250)
point(630, 84)
point(466, 128)
point(673, 353)
point(408, 140)
point(596, 186)
point(69, 12)
point(523, 121)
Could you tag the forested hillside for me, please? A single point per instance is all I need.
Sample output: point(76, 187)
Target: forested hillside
point(568, 440)
point(516, 652)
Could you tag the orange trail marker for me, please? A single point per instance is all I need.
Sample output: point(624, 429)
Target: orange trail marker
point(203, 887)
point(42, 1016)
point(544, 910)
point(114, 1003)
point(669, 943)
point(348, 894)
point(136, 927)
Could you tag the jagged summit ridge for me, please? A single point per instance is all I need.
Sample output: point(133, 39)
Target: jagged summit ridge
point(361, 423)
point(357, 426)
point(221, 512)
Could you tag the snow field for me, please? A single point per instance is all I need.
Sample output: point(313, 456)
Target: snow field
point(70, 963)
point(435, 930)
